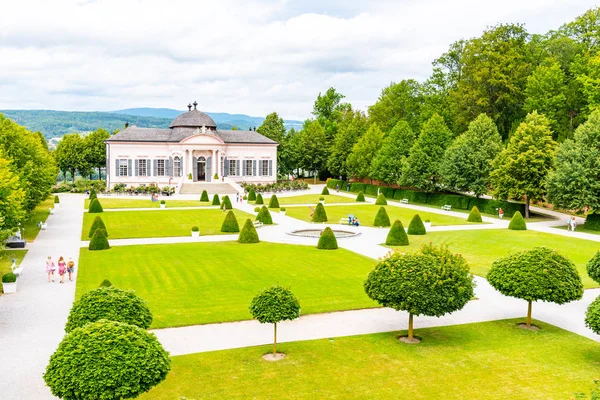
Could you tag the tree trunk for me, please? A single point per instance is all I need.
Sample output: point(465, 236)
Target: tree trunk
point(274, 339)
point(526, 206)
point(410, 327)
point(99, 173)
point(315, 178)
point(529, 313)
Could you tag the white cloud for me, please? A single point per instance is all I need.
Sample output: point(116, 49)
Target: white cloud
point(235, 56)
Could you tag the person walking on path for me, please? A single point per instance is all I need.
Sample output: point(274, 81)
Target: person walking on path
point(237, 197)
point(500, 213)
point(573, 224)
point(62, 269)
point(569, 227)
point(71, 268)
point(50, 268)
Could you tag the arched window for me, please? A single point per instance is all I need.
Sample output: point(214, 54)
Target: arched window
point(201, 159)
point(177, 166)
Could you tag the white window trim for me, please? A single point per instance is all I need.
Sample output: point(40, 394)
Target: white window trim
point(264, 167)
point(177, 170)
point(123, 167)
point(233, 171)
point(140, 162)
point(158, 167)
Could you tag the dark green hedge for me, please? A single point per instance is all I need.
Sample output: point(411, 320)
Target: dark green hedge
point(264, 216)
point(332, 183)
point(320, 215)
point(381, 218)
point(371, 190)
point(273, 202)
point(517, 223)
point(327, 241)
point(248, 233)
point(592, 221)
point(95, 207)
point(474, 215)
point(97, 224)
point(204, 196)
point(416, 226)
point(356, 187)
point(397, 235)
point(230, 223)
point(99, 241)
point(216, 201)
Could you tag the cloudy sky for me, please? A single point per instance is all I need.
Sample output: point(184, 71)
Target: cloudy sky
point(236, 56)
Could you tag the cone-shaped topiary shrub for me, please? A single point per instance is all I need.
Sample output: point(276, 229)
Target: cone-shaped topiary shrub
point(109, 302)
point(382, 218)
point(264, 216)
point(105, 283)
point(99, 241)
point(320, 215)
point(216, 201)
point(97, 224)
point(325, 191)
point(93, 193)
point(381, 201)
point(397, 235)
point(56, 200)
point(327, 241)
point(273, 202)
point(248, 233)
point(517, 223)
point(259, 199)
point(474, 215)
point(593, 267)
point(251, 195)
point(227, 203)
point(416, 226)
point(93, 196)
point(230, 223)
point(204, 196)
point(360, 196)
point(95, 207)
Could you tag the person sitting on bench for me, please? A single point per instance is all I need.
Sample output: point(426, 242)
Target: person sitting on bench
point(355, 221)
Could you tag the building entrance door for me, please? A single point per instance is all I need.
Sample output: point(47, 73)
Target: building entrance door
point(201, 169)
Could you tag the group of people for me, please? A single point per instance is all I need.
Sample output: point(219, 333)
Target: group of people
point(352, 220)
point(154, 197)
point(64, 267)
point(572, 224)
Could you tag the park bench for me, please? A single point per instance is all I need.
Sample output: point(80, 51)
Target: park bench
point(344, 221)
point(404, 201)
point(447, 207)
point(257, 224)
point(42, 225)
point(15, 242)
point(16, 270)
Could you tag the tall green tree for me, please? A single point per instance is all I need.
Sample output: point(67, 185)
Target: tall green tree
point(12, 200)
point(313, 145)
point(96, 149)
point(520, 170)
point(71, 155)
point(575, 183)
point(327, 108)
point(585, 29)
point(273, 128)
point(467, 163)
point(387, 164)
point(351, 127)
point(364, 151)
point(402, 100)
point(422, 167)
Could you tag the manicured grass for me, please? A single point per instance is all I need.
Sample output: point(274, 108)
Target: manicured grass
point(579, 228)
point(160, 223)
point(145, 202)
point(366, 214)
point(30, 228)
point(312, 199)
point(199, 283)
point(482, 248)
point(491, 360)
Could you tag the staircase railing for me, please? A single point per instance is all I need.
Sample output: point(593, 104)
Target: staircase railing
point(234, 184)
point(179, 185)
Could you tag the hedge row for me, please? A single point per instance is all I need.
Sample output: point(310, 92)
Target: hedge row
point(457, 201)
point(592, 221)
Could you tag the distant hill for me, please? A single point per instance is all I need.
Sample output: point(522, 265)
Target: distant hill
point(58, 123)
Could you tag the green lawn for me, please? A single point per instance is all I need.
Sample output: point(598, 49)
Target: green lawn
point(160, 223)
point(481, 248)
point(579, 228)
point(491, 360)
point(311, 199)
point(40, 213)
point(145, 202)
point(199, 283)
point(6, 259)
point(366, 214)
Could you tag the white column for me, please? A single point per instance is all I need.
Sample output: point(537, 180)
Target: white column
point(213, 160)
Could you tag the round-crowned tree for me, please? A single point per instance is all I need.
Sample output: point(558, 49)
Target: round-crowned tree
point(327, 240)
point(397, 235)
point(95, 206)
point(325, 191)
point(99, 241)
point(432, 281)
point(320, 215)
point(381, 218)
point(474, 215)
point(360, 196)
point(381, 200)
point(273, 202)
point(517, 223)
point(97, 224)
point(273, 305)
point(259, 199)
point(537, 274)
point(264, 216)
point(593, 267)
point(230, 223)
point(251, 195)
point(204, 196)
point(592, 316)
point(108, 302)
point(248, 233)
point(107, 360)
point(215, 200)
point(227, 202)
point(416, 226)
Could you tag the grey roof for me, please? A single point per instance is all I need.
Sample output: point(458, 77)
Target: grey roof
point(175, 135)
point(194, 119)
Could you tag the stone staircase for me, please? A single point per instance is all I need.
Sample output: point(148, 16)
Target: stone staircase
point(211, 188)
